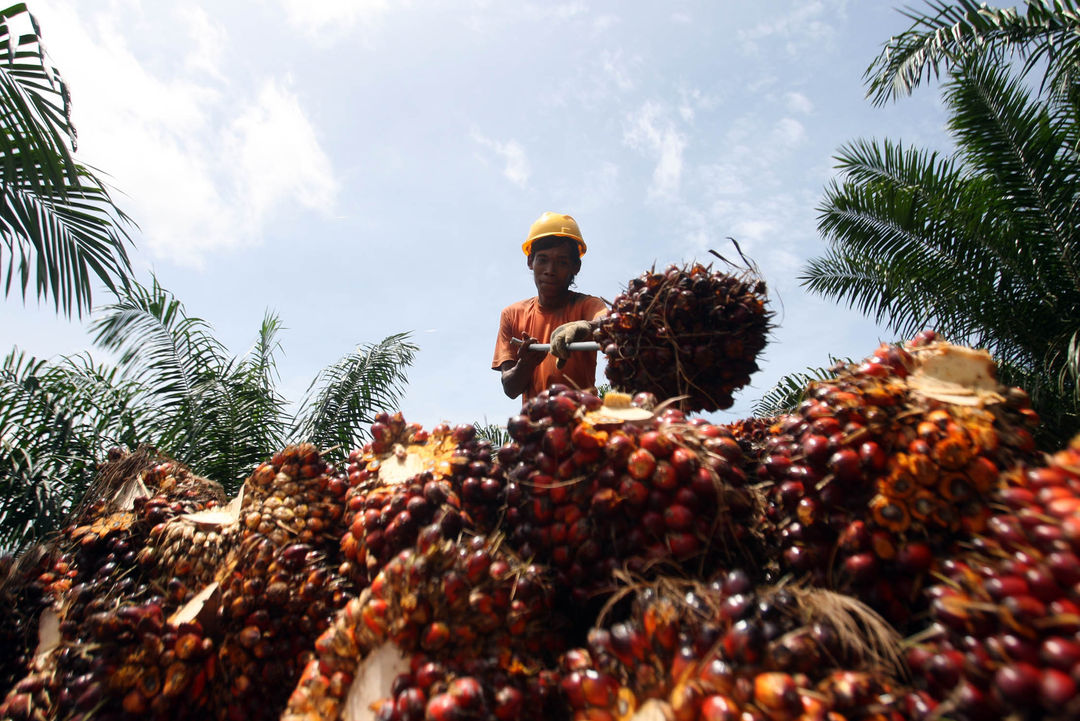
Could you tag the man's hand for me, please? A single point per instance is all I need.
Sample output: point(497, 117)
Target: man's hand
point(567, 333)
point(526, 358)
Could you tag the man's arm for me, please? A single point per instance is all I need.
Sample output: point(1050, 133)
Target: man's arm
point(516, 374)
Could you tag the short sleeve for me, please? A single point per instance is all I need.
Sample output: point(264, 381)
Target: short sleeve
point(504, 350)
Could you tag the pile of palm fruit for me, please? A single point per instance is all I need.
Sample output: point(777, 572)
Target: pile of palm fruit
point(689, 333)
point(895, 548)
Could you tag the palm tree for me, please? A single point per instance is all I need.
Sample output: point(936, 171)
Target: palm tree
point(1047, 35)
point(176, 388)
point(981, 245)
point(57, 221)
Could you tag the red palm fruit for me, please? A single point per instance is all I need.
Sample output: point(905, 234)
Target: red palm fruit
point(443, 707)
point(718, 707)
point(641, 464)
point(914, 557)
point(1017, 683)
point(664, 476)
point(1057, 689)
point(678, 517)
point(508, 705)
point(685, 700)
point(777, 693)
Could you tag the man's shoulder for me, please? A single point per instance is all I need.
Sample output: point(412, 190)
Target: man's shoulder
point(589, 301)
point(520, 306)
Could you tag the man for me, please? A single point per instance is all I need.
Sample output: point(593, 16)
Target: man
point(555, 315)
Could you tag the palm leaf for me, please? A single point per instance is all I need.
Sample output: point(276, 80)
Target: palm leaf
point(342, 401)
point(790, 390)
point(174, 357)
point(952, 32)
point(248, 414)
point(57, 220)
point(56, 422)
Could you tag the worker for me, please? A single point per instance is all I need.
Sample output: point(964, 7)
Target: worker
point(555, 315)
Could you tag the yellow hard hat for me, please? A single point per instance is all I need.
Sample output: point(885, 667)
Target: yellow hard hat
point(554, 224)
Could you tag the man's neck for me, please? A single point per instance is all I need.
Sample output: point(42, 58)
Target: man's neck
point(556, 302)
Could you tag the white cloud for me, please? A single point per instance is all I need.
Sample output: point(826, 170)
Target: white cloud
point(601, 187)
point(603, 23)
point(516, 168)
point(799, 103)
point(199, 165)
point(565, 11)
point(722, 179)
point(333, 17)
point(651, 132)
point(806, 26)
point(788, 133)
point(208, 41)
point(616, 68)
point(277, 156)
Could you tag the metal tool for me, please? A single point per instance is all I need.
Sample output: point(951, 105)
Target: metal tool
point(546, 347)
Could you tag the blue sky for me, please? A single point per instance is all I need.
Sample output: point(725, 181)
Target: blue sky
point(367, 167)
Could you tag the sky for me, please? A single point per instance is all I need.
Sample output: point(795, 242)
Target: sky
point(362, 168)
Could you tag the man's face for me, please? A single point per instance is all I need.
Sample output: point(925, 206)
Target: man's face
point(553, 269)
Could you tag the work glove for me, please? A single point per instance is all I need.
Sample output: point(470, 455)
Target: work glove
point(567, 333)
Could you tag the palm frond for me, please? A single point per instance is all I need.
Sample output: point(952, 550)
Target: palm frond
point(789, 391)
point(35, 107)
point(342, 401)
point(493, 433)
point(248, 419)
point(56, 422)
point(951, 32)
point(174, 357)
point(57, 220)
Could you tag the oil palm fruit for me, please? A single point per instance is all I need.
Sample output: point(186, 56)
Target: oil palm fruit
point(103, 643)
point(686, 332)
point(457, 610)
point(1004, 637)
point(274, 602)
point(885, 466)
point(591, 486)
point(728, 649)
point(404, 480)
point(295, 497)
point(23, 598)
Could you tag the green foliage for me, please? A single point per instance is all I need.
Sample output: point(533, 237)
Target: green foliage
point(55, 420)
point(952, 33)
point(343, 399)
point(174, 387)
point(982, 245)
point(493, 433)
point(57, 221)
point(788, 392)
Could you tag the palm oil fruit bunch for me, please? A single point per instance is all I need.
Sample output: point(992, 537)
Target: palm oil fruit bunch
point(176, 482)
point(274, 602)
point(23, 598)
point(105, 647)
point(295, 497)
point(1004, 640)
point(482, 690)
point(592, 486)
point(140, 666)
point(388, 519)
point(186, 551)
point(886, 465)
point(466, 608)
point(403, 482)
point(688, 332)
point(191, 532)
point(728, 649)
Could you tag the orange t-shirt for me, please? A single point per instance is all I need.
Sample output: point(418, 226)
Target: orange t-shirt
point(527, 317)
